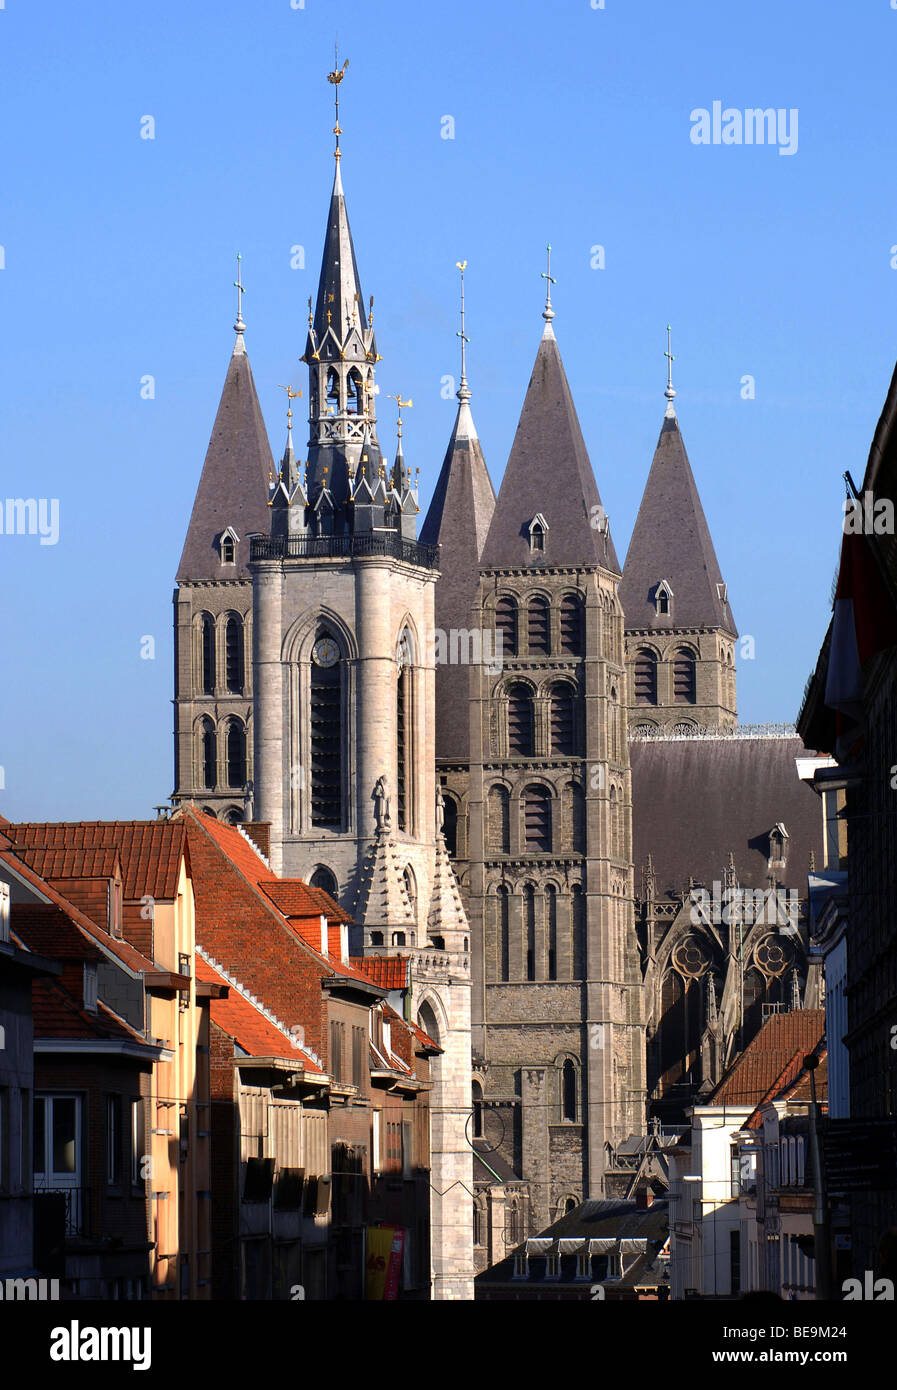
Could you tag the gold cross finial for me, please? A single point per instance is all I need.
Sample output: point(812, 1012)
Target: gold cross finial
point(548, 312)
point(238, 286)
point(335, 78)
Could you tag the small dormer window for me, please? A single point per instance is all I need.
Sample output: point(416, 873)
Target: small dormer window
point(778, 844)
point(227, 546)
point(663, 599)
point(538, 529)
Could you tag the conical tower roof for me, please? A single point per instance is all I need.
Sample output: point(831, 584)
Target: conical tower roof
point(671, 542)
point(234, 483)
point(549, 475)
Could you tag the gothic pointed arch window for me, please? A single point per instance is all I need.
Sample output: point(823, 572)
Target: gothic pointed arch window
point(521, 724)
point(333, 391)
point(234, 657)
point(537, 819)
point(355, 396)
point(645, 677)
point(235, 745)
point(684, 677)
point(569, 1091)
point(562, 719)
point(572, 625)
point(477, 1106)
point(209, 754)
point(538, 626)
point(506, 624)
point(410, 882)
point(498, 820)
point(227, 546)
point(663, 599)
point(612, 808)
point(538, 529)
point(450, 824)
point(325, 733)
point(207, 641)
point(404, 732)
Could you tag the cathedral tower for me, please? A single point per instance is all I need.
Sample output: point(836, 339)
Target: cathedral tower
point(344, 712)
point(680, 633)
point(544, 802)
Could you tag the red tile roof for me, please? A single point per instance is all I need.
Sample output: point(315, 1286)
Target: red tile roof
point(247, 1025)
point(390, 972)
point(150, 852)
point(57, 1014)
point(48, 931)
point(764, 1060)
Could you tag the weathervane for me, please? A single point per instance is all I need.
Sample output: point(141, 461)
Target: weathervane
point(402, 406)
point(548, 312)
point(335, 78)
point(463, 390)
point(669, 392)
point(291, 396)
point(238, 286)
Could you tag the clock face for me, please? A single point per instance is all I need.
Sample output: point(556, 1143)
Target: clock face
point(326, 652)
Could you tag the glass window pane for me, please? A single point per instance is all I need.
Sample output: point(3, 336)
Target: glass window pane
point(64, 1157)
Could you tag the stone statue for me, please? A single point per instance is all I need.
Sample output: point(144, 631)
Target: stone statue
point(382, 810)
point(440, 810)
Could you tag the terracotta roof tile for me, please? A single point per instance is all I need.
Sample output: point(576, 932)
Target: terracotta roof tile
point(248, 1026)
point(770, 1053)
point(150, 852)
point(389, 972)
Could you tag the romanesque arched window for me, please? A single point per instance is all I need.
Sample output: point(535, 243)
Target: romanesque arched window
point(537, 820)
point(538, 627)
point(645, 677)
point(404, 733)
point(207, 635)
point(562, 719)
point(551, 920)
point(572, 614)
point(684, 677)
point(573, 818)
point(450, 824)
point(209, 754)
point(506, 624)
point(569, 1088)
point(504, 931)
point(578, 923)
point(234, 663)
point(498, 821)
point(477, 1105)
point(529, 922)
point(325, 733)
point(235, 745)
point(323, 878)
point(521, 725)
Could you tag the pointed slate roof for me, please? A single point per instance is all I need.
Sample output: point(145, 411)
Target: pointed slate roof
point(233, 485)
point(458, 520)
point(339, 281)
point(671, 541)
point(549, 472)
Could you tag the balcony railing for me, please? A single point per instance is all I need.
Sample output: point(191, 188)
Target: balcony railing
point(67, 1206)
point(387, 543)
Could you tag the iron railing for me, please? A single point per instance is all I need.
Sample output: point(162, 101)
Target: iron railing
point(389, 543)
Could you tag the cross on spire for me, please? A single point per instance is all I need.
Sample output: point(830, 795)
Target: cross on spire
point(335, 78)
point(548, 312)
point(463, 392)
point(669, 392)
point(238, 286)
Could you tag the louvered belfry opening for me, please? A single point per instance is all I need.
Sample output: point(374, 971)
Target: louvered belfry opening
point(208, 655)
point(684, 677)
point(326, 745)
point(537, 820)
point(520, 720)
point(209, 755)
point(571, 625)
point(539, 627)
point(233, 656)
point(236, 754)
point(498, 821)
point(645, 677)
point(563, 730)
point(506, 624)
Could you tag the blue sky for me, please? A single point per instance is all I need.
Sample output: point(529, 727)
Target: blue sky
point(571, 124)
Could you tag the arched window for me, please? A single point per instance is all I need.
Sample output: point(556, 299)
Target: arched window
point(573, 818)
point(663, 602)
point(578, 921)
point(233, 655)
point(538, 627)
point(209, 755)
point(506, 624)
point(613, 809)
point(324, 879)
point(645, 677)
point(529, 917)
point(572, 625)
point(450, 824)
point(537, 536)
point(568, 1091)
point(562, 720)
point(520, 721)
point(684, 677)
point(504, 929)
point(333, 401)
point(236, 754)
point(478, 1224)
point(411, 889)
point(228, 549)
point(208, 654)
point(551, 917)
point(234, 816)
point(498, 821)
point(537, 820)
point(355, 399)
point(326, 733)
point(477, 1096)
point(404, 729)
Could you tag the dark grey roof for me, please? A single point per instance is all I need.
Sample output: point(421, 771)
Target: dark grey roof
point(695, 800)
point(483, 1154)
point(458, 520)
point(613, 1219)
point(549, 472)
point(339, 281)
point(233, 485)
point(672, 541)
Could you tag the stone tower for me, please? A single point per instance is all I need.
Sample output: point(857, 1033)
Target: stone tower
point(680, 633)
point(541, 786)
point(213, 603)
point(344, 713)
